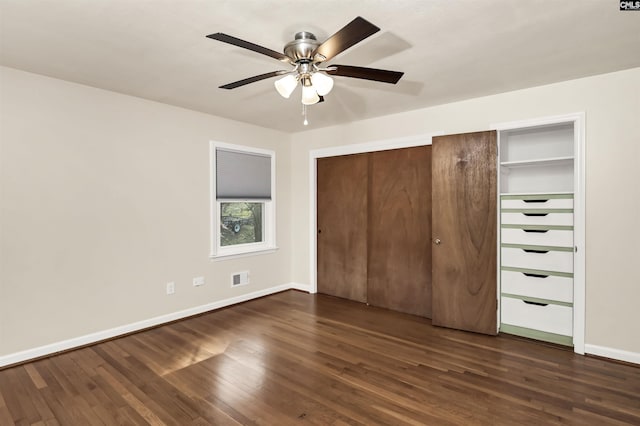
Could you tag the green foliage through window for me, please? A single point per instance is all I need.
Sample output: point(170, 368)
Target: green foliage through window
point(241, 223)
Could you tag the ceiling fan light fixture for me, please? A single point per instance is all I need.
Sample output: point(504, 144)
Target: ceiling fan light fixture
point(323, 83)
point(309, 94)
point(286, 85)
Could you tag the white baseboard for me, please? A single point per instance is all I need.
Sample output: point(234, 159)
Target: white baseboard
point(301, 287)
point(88, 339)
point(620, 355)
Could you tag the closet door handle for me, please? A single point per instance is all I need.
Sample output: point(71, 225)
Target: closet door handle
point(437, 241)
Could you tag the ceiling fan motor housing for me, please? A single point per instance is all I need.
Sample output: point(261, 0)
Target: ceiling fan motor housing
point(301, 49)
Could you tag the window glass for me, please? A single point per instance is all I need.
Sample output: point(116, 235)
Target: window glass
point(241, 223)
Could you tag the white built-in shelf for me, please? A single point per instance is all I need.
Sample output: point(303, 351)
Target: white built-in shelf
point(537, 193)
point(555, 161)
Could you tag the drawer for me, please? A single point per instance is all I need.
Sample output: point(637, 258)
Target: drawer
point(560, 261)
point(529, 218)
point(541, 203)
point(537, 285)
point(537, 237)
point(550, 318)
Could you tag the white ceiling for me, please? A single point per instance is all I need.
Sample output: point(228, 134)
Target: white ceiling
point(448, 49)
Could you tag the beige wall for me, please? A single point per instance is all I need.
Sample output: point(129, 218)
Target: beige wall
point(611, 103)
point(104, 198)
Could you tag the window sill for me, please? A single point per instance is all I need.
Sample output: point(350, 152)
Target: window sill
point(229, 256)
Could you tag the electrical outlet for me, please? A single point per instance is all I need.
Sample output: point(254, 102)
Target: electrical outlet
point(171, 287)
point(198, 281)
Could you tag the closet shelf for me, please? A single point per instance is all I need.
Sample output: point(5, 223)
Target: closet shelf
point(555, 161)
point(536, 193)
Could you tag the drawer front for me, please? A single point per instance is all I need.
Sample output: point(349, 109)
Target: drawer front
point(560, 261)
point(539, 237)
point(536, 285)
point(542, 203)
point(550, 318)
point(526, 219)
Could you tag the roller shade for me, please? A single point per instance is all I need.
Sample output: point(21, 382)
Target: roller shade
point(242, 175)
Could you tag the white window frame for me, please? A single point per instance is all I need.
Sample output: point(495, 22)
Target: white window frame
point(268, 243)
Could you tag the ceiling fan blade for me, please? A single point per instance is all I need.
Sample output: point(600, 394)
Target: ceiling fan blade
point(352, 33)
point(374, 74)
point(225, 38)
point(252, 79)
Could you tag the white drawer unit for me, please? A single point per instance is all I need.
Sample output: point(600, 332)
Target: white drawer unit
point(537, 235)
point(538, 284)
point(550, 318)
point(540, 217)
point(536, 277)
point(535, 257)
point(540, 203)
point(542, 231)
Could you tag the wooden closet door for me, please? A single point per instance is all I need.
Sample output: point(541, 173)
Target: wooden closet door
point(342, 226)
point(400, 230)
point(464, 232)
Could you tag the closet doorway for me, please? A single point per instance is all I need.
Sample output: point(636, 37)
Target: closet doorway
point(374, 228)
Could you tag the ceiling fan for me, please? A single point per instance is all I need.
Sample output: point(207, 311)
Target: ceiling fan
point(307, 56)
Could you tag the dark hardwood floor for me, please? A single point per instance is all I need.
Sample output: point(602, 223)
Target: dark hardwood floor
point(294, 358)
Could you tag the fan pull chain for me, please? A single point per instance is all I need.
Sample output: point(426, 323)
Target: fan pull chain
point(304, 113)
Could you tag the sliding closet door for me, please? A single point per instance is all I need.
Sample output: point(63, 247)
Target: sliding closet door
point(464, 232)
point(342, 226)
point(400, 230)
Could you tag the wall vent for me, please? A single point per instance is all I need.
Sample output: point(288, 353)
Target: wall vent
point(239, 278)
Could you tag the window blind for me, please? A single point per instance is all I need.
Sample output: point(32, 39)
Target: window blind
point(242, 175)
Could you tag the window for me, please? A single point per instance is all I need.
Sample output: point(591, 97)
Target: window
point(242, 200)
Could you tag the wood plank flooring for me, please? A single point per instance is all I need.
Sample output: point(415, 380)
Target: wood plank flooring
point(294, 358)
